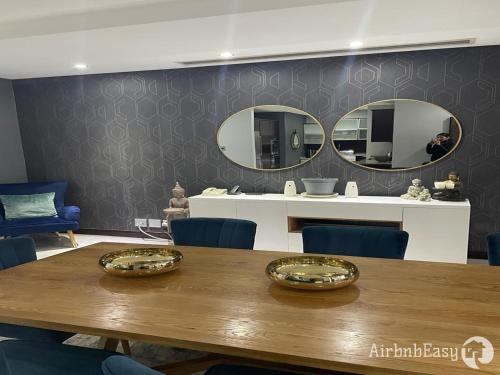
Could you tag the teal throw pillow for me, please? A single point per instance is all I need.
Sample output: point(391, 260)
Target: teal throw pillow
point(27, 206)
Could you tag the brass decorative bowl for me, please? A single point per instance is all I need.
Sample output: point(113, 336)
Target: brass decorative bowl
point(141, 261)
point(312, 272)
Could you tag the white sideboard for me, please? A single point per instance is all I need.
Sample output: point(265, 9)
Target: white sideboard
point(439, 231)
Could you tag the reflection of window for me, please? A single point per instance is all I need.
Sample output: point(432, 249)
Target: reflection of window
point(382, 125)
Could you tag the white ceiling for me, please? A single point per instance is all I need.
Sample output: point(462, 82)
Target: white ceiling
point(46, 38)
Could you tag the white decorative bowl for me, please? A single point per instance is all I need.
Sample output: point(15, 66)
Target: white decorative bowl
point(319, 186)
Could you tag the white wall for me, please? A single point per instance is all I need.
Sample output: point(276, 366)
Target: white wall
point(12, 164)
point(237, 137)
point(415, 124)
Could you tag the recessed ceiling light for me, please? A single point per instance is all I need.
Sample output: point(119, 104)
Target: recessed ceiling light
point(81, 66)
point(226, 55)
point(356, 44)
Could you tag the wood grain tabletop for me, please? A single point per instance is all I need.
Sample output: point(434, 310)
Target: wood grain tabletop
point(221, 301)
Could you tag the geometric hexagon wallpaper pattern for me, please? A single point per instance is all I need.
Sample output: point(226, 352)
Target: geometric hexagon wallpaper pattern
point(122, 140)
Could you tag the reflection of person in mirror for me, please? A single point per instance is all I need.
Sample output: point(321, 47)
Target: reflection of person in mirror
point(439, 146)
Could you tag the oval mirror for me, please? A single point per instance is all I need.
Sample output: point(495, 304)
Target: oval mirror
point(270, 137)
point(396, 134)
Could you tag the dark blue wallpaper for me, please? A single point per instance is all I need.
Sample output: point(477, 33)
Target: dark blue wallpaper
point(122, 140)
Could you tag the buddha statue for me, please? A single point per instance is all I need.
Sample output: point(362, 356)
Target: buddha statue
point(414, 189)
point(178, 205)
point(453, 181)
point(451, 189)
point(179, 200)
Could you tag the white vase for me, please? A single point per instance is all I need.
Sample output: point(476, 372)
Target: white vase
point(351, 189)
point(290, 189)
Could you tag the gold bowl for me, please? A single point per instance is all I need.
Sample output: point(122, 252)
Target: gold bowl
point(312, 272)
point(141, 261)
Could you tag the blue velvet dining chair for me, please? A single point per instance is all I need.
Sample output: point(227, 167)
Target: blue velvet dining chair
point(494, 249)
point(214, 232)
point(20, 357)
point(355, 241)
point(120, 365)
point(14, 252)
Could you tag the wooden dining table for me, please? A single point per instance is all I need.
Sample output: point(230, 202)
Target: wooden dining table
point(220, 301)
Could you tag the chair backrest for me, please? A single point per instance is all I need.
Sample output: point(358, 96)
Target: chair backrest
point(16, 251)
point(355, 241)
point(4, 366)
point(59, 187)
point(214, 232)
point(121, 365)
point(494, 249)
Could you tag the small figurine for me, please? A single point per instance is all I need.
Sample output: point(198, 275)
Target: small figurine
point(178, 205)
point(424, 196)
point(449, 190)
point(414, 189)
point(179, 200)
point(454, 182)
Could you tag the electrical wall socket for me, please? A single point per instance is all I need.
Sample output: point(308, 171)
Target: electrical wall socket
point(154, 223)
point(141, 223)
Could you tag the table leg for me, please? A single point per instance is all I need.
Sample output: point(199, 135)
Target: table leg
point(126, 347)
point(108, 343)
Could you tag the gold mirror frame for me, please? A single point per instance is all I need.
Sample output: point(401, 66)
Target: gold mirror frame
point(457, 143)
point(293, 110)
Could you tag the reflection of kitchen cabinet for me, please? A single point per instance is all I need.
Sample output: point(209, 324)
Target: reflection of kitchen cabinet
point(382, 125)
point(266, 136)
point(267, 128)
point(345, 135)
point(313, 134)
point(351, 129)
point(362, 134)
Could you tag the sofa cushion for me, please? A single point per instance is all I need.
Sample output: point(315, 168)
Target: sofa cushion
point(71, 213)
point(59, 187)
point(18, 227)
point(28, 206)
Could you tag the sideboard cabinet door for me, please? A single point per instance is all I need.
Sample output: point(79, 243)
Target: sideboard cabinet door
point(212, 207)
point(272, 224)
point(437, 235)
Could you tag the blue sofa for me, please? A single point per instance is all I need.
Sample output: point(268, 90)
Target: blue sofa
point(67, 220)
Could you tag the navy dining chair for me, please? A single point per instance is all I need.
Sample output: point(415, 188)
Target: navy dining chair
point(494, 249)
point(14, 252)
point(214, 232)
point(20, 357)
point(120, 365)
point(355, 241)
